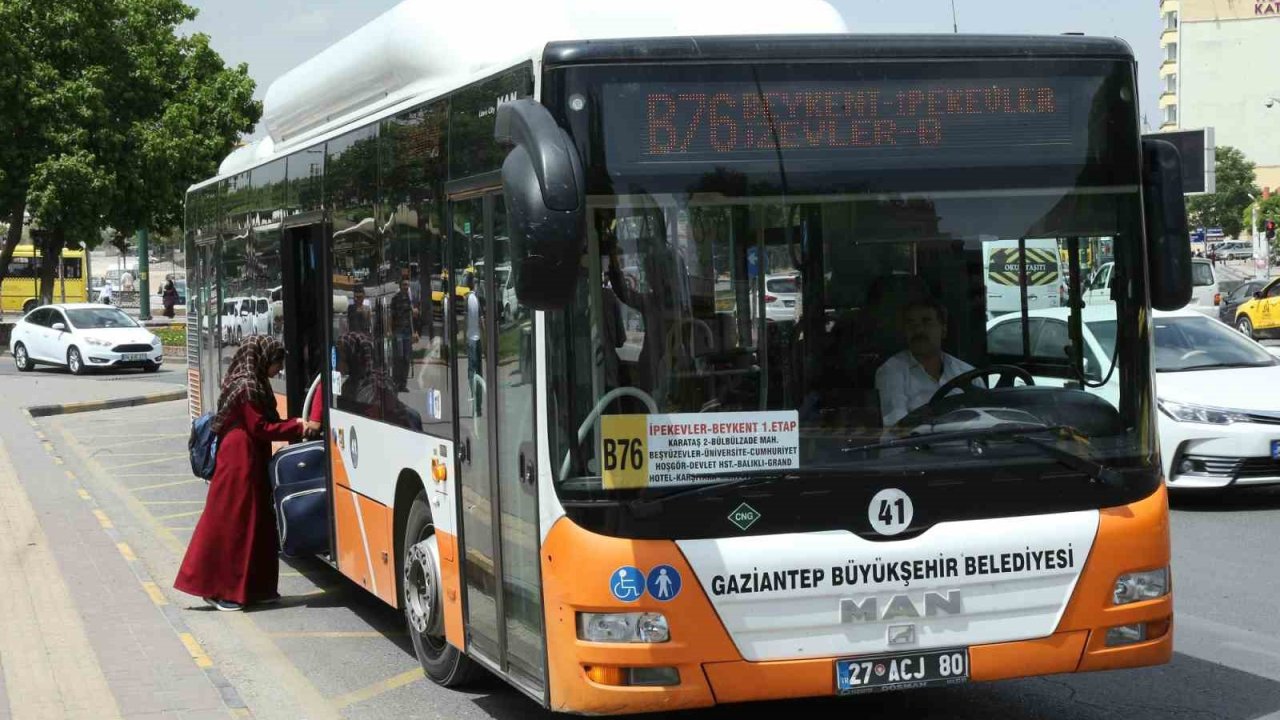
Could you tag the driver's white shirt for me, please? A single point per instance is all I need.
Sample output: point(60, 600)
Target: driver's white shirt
point(905, 385)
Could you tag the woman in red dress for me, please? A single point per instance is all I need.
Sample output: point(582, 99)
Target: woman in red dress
point(231, 560)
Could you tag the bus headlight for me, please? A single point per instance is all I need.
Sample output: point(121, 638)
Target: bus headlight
point(1137, 586)
point(623, 627)
point(1183, 412)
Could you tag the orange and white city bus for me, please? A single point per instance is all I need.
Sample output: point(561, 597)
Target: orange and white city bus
point(637, 490)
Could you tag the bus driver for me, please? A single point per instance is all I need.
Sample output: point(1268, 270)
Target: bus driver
point(909, 378)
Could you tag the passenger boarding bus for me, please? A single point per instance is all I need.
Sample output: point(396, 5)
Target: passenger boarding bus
point(21, 289)
point(704, 505)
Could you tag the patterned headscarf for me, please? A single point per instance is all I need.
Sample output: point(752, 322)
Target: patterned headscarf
point(246, 379)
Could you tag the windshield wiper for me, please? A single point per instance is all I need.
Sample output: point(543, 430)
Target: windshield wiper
point(1016, 432)
point(1213, 366)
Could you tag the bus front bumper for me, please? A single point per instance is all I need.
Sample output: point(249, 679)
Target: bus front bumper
point(707, 684)
point(103, 358)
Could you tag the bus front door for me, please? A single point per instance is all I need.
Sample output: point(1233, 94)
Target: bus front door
point(499, 539)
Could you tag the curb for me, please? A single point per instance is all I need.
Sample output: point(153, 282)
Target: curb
point(90, 406)
point(230, 696)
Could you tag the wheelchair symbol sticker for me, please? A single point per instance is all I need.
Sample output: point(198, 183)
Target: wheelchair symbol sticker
point(627, 583)
point(664, 582)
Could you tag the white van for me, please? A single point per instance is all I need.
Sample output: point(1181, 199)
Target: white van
point(1046, 287)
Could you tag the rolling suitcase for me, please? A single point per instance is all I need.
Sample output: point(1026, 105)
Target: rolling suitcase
point(301, 497)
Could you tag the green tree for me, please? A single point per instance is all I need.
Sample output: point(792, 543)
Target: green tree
point(109, 115)
point(1234, 182)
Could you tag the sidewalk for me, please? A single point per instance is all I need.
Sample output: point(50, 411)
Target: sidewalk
point(84, 634)
point(1239, 271)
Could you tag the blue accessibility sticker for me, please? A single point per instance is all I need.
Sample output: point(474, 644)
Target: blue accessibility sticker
point(664, 582)
point(627, 583)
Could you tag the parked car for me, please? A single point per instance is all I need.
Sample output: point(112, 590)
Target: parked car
point(1230, 302)
point(1218, 392)
point(82, 337)
point(1234, 250)
point(781, 297)
point(1204, 286)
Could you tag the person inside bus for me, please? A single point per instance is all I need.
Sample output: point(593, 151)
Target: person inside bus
point(658, 305)
point(908, 379)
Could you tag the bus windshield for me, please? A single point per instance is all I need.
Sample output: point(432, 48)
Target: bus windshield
point(790, 266)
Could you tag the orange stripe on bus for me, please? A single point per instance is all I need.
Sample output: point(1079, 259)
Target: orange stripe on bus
point(451, 584)
point(349, 543)
point(378, 527)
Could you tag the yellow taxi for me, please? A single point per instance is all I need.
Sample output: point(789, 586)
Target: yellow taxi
point(438, 282)
point(1261, 315)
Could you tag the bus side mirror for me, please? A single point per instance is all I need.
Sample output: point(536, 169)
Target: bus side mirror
point(543, 181)
point(1165, 208)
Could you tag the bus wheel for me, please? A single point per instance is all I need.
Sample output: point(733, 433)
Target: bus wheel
point(20, 358)
point(30, 305)
point(423, 604)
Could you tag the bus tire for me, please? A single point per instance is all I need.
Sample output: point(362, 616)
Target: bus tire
point(423, 606)
point(30, 305)
point(21, 359)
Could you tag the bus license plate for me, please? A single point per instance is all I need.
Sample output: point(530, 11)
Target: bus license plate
point(881, 673)
point(134, 357)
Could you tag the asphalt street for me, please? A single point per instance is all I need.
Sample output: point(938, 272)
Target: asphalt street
point(331, 650)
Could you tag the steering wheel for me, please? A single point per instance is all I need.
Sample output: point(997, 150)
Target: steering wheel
point(964, 381)
point(1192, 353)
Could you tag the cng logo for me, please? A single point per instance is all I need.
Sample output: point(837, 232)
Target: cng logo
point(744, 516)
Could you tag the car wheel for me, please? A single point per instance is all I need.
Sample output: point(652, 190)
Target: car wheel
point(423, 604)
point(1245, 326)
point(75, 363)
point(150, 367)
point(30, 305)
point(21, 359)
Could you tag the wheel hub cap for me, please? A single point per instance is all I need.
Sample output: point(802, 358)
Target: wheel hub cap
point(422, 588)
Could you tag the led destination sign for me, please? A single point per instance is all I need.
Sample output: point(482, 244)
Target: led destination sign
point(656, 122)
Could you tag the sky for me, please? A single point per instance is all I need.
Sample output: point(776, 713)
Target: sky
point(273, 36)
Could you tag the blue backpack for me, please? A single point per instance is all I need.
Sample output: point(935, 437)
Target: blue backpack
point(203, 446)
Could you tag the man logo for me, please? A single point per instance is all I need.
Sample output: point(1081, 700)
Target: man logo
point(901, 607)
point(902, 635)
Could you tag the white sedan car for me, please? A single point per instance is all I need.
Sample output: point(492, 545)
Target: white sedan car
point(82, 337)
point(1218, 392)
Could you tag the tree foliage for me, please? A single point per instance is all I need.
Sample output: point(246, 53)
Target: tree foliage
point(1234, 183)
point(107, 115)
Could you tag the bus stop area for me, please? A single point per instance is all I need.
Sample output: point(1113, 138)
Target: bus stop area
point(96, 509)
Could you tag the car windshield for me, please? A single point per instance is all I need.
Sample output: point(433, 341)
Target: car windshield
point(1199, 343)
point(900, 260)
point(99, 318)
